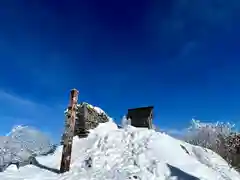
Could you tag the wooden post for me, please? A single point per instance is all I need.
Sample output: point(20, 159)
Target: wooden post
point(69, 132)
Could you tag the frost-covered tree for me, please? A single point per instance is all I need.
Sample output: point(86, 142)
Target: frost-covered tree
point(207, 134)
point(21, 144)
point(31, 139)
point(232, 150)
point(125, 122)
point(219, 137)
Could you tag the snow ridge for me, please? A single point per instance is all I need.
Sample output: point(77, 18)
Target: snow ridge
point(110, 153)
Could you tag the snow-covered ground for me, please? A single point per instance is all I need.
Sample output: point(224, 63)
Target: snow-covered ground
point(109, 153)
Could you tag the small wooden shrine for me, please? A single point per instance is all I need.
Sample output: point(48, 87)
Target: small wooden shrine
point(141, 117)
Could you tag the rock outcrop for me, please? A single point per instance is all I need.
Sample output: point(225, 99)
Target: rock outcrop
point(87, 117)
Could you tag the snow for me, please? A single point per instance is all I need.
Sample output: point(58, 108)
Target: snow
point(109, 153)
point(129, 153)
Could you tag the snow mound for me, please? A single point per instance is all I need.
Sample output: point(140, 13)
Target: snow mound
point(109, 153)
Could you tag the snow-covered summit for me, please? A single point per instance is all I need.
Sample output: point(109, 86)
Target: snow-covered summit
point(97, 109)
point(109, 153)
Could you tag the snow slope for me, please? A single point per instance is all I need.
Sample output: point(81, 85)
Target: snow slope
point(109, 153)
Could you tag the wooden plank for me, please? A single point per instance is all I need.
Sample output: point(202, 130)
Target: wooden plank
point(69, 132)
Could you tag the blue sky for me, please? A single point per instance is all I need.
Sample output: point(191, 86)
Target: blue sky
point(182, 57)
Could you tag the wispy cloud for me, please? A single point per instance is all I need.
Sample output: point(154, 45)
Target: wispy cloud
point(16, 100)
point(15, 110)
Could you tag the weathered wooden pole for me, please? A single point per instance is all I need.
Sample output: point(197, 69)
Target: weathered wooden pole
point(69, 132)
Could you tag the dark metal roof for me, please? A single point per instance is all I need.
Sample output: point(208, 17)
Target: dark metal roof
point(142, 112)
point(140, 117)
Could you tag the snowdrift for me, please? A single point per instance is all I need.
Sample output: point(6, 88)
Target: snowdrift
point(109, 153)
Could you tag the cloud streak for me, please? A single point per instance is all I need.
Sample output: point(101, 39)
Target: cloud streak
point(17, 110)
point(18, 100)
